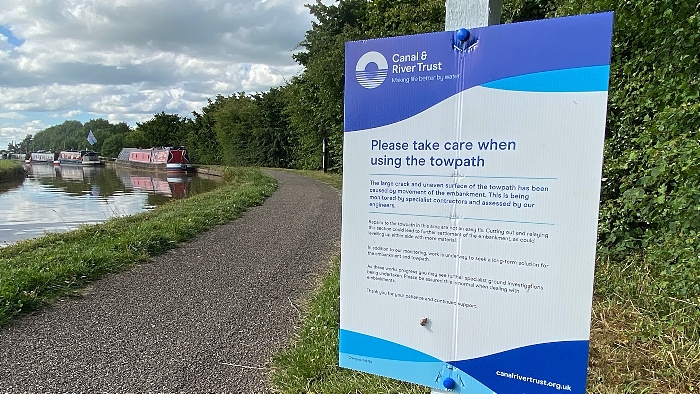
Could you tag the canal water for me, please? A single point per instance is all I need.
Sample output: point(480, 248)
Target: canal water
point(61, 198)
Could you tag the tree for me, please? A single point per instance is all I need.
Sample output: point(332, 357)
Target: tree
point(26, 145)
point(163, 130)
point(315, 98)
point(112, 145)
point(527, 10)
point(136, 139)
point(66, 135)
point(101, 129)
point(315, 106)
point(202, 143)
point(237, 123)
point(274, 134)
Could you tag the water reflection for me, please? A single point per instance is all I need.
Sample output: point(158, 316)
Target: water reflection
point(157, 187)
point(60, 198)
point(9, 185)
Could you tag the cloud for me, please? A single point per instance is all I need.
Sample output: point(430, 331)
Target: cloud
point(17, 133)
point(69, 114)
point(125, 60)
point(257, 76)
point(11, 115)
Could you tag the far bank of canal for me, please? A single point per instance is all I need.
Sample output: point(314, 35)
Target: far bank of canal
point(60, 198)
point(10, 171)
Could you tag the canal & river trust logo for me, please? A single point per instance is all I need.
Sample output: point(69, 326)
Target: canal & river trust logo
point(371, 69)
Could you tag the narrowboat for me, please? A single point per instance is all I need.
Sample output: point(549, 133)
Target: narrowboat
point(171, 159)
point(18, 156)
point(42, 157)
point(83, 157)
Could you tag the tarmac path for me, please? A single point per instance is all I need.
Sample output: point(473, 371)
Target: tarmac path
point(203, 318)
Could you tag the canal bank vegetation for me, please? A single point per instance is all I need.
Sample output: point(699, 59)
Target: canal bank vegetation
point(34, 272)
point(10, 170)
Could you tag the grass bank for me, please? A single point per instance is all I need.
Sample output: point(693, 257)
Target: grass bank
point(10, 170)
point(34, 272)
point(642, 341)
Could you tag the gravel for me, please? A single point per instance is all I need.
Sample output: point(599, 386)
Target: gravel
point(203, 318)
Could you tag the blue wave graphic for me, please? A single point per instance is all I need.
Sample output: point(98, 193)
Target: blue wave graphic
point(426, 374)
point(368, 346)
point(542, 368)
point(385, 358)
point(583, 79)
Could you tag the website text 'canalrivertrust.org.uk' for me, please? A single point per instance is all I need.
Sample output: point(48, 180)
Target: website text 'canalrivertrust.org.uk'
point(528, 379)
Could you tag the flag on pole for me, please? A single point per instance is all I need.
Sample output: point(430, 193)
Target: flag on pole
point(91, 138)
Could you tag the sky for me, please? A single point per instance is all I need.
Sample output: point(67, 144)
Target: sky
point(125, 60)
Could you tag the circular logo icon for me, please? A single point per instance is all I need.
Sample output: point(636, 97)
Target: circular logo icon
point(371, 69)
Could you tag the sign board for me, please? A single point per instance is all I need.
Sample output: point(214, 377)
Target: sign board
point(471, 187)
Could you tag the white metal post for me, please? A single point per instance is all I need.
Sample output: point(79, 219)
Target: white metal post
point(472, 13)
point(469, 14)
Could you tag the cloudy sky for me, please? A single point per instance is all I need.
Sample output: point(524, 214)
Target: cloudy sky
point(124, 60)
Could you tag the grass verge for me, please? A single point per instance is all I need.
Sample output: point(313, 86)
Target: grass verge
point(34, 272)
point(10, 170)
point(642, 341)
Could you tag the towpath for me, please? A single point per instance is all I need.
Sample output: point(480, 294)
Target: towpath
point(203, 318)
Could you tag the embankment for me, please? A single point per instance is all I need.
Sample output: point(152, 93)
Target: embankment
point(11, 170)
